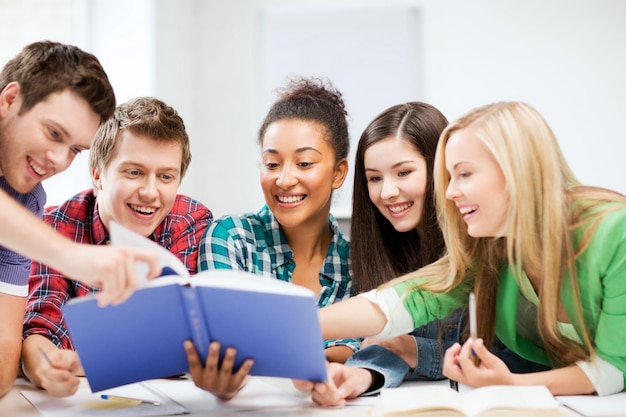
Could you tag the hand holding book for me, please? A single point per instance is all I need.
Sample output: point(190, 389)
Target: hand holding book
point(273, 322)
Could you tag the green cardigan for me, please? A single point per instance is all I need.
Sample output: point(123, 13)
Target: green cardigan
point(601, 272)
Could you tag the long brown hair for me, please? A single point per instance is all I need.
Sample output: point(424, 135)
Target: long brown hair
point(379, 252)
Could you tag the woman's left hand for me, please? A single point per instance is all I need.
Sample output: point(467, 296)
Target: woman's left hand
point(460, 364)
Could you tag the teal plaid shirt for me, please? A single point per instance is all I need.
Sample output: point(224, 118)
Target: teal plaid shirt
point(255, 243)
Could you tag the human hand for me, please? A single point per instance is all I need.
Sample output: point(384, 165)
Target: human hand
point(338, 354)
point(460, 364)
point(58, 372)
point(404, 346)
point(111, 268)
point(218, 379)
point(344, 382)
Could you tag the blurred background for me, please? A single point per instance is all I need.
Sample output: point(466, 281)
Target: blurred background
point(219, 63)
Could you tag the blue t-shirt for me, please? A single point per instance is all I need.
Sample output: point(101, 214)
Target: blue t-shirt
point(15, 268)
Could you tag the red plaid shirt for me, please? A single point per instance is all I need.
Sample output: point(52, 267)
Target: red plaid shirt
point(79, 220)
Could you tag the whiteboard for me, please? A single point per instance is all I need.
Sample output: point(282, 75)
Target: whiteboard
point(371, 54)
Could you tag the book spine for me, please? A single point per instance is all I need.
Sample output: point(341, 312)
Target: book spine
point(196, 322)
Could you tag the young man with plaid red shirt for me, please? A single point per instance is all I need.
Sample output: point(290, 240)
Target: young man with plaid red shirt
point(137, 161)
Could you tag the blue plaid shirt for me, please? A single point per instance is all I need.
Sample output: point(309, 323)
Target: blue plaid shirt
point(255, 243)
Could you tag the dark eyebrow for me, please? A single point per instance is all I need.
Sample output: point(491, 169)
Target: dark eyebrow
point(299, 150)
point(397, 164)
point(307, 148)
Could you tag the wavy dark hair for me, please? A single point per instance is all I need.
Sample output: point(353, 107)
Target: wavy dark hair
point(379, 252)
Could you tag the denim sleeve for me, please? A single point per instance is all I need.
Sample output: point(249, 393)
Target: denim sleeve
point(385, 362)
point(431, 342)
point(429, 358)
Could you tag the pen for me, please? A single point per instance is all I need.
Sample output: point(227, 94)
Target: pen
point(472, 329)
point(45, 357)
point(472, 325)
point(126, 399)
point(472, 316)
point(454, 385)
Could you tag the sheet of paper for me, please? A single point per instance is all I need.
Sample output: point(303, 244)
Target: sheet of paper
point(594, 406)
point(86, 403)
point(257, 394)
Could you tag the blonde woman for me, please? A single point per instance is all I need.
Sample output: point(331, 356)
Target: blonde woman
point(545, 256)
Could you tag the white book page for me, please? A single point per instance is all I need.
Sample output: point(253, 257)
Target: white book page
point(234, 279)
point(508, 396)
point(121, 236)
point(404, 399)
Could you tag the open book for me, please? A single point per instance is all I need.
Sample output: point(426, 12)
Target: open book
point(497, 401)
point(271, 321)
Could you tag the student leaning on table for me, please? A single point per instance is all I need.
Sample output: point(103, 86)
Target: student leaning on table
point(294, 237)
point(545, 256)
point(53, 97)
point(138, 160)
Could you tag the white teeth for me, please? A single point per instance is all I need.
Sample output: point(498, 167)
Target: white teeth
point(401, 208)
point(36, 168)
point(290, 198)
point(465, 210)
point(144, 210)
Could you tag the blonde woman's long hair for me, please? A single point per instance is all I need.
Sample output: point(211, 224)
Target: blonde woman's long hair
point(539, 222)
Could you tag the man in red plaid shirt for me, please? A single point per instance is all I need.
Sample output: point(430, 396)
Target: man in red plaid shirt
point(137, 161)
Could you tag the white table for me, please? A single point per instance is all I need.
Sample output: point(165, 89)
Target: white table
point(201, 403)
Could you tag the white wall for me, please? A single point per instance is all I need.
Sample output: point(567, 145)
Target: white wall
point(565, 57)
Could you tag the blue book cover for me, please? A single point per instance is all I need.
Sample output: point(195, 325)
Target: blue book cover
point(143, 337)
point(271, 321)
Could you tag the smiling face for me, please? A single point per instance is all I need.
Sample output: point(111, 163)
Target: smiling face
point(138, 187)
point(299, 172)
point(477, 186)
point(44, 140)
point(396, 181)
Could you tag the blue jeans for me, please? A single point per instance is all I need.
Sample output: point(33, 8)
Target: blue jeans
point(431, 342)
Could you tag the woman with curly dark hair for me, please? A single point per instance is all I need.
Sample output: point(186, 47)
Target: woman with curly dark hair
point(294, 237)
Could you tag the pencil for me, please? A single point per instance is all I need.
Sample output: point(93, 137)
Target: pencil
point(127, 399)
